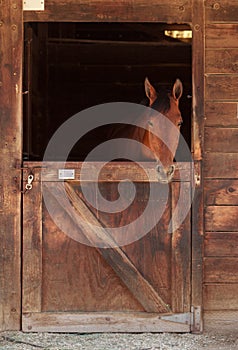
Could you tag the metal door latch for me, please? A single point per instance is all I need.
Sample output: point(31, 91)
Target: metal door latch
point(30, 179)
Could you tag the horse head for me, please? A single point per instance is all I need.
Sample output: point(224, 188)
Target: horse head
point(166, 102)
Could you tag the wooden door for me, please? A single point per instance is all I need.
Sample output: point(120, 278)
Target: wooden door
point(69, 286)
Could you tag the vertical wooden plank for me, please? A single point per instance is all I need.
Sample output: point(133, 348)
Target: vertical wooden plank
point(11, 39)
point(32, 249)
point(181, 253)
point(197, 149)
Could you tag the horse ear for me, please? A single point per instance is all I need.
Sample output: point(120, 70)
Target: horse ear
point(177, 89)
point(150, 91)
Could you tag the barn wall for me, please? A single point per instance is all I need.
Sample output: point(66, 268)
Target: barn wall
point(220, 140)
point(221, 165)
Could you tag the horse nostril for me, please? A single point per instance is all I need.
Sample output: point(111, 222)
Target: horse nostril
point(171, 170)
point(158, 168)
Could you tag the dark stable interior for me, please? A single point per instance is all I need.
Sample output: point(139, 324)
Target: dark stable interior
point(69, 67)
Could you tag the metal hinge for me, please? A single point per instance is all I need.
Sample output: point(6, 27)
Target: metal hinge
point(33, 5)
point(184, 318)
point(193, 318)
point(196, 319)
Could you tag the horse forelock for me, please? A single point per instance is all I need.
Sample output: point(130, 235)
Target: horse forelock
point(162, 102)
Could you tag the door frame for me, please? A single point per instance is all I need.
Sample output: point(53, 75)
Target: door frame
point(196, 20)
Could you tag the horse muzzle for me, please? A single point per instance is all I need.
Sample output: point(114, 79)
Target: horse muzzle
point(165, 175)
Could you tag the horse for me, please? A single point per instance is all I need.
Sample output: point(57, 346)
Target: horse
point(166, 102)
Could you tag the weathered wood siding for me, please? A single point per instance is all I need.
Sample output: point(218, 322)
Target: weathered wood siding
point(216, 152)
point(11, 40)
point(221, 165)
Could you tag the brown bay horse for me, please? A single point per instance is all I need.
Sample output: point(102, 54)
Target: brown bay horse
point(166, 122)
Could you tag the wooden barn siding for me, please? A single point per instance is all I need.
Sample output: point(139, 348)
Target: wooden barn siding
point(221, 169)
point(108, 10)
point(221, 165)
point(11, 36)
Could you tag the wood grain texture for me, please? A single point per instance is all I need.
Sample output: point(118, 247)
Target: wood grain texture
point(221, 218)
point(221, 192)
point(221, 321)
point(11, 38)
point(100, 322)
point(221, 35)
point(181, 254)
point(109, 172)
point(220, 12)
point(75, 276)
point(221, 244)
point(221, 114)
point(220, 270)
point(198, 26)
point(221, 87)
point(220, 297)
point(120, 263)
point(221, 165)
point(221, 61)
point(223, 140)
point(177, 11)
point(32, 250)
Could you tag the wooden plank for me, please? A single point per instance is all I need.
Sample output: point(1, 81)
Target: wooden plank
point(198, 26)
point(221, 61)
point(176, 11)
point(221, 114)
point(220, 12)
point(222, 87)
point(220, 297)
point(223, 322)
point(220, 270)
point(221, 218)
point(221, 36)
point(99, 322)
point(75, 277)
point(117, 259)
point(221, 244)
point(221, 165)
point(181, 254)
point(223, 140)
point(110, 172)
point(221, 192)
point(11, 38)
point(32, 249)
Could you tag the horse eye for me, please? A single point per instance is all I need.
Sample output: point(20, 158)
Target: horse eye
point(150, 123)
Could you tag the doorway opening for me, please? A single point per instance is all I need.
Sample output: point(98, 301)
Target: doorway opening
point(72, 66)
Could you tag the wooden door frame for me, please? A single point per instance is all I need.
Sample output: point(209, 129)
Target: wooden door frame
point(11, 22)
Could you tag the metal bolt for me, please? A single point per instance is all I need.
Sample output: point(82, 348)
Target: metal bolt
point(181, 8)
point(216, 6)
point(14, 27)
point(197, 27)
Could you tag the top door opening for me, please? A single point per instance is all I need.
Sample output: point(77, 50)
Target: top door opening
point(73, 66)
